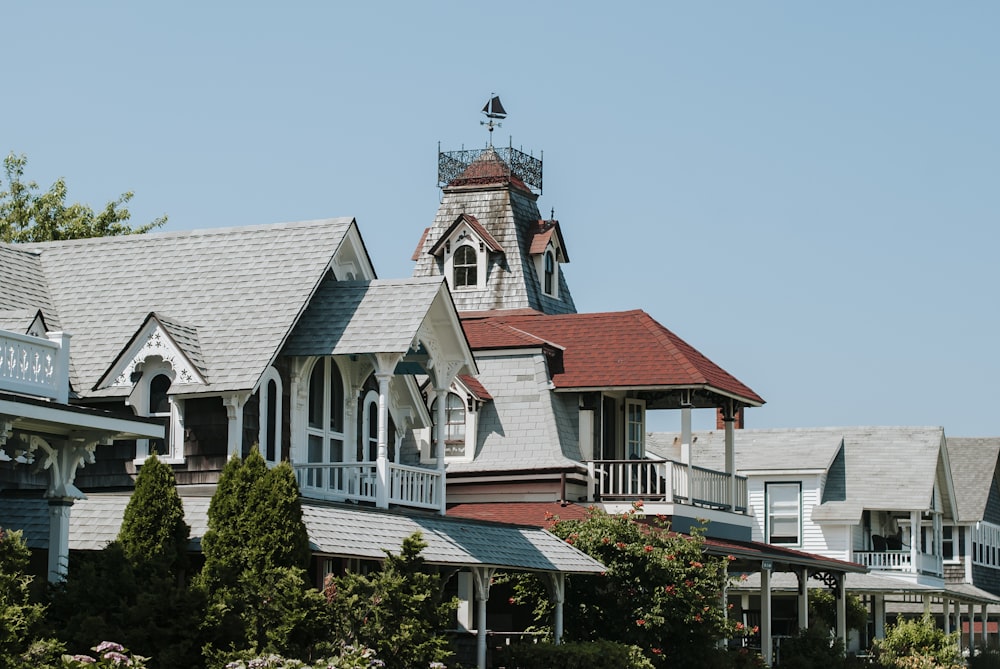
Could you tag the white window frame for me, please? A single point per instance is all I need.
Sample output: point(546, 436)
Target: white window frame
point(270, 375)
point(429, 454)
point(782, 509)
point(369, 443)
point(139, 401)
point(635, 429)
point(324, 431)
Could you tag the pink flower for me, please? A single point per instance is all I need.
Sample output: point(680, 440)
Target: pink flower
point(647, 548)
point(640, 621)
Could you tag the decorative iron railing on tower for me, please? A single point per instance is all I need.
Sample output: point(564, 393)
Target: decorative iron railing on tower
point(454, 165)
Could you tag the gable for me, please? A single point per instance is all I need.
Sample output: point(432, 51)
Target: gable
point(173, 343)
point(465, 227)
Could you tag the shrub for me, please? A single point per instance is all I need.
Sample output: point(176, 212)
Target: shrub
point(812, 648)
point(576, 655)
point(918, 644)
point(19, 616)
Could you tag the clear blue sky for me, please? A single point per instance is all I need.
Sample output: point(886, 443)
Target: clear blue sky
point(805, 192)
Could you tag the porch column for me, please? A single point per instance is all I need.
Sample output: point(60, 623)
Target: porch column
point(440, 419)
point(466, 595)
point(766, 648)
point(983, 616)
point(686, 452)
point(59, 538)
point(972, 629)
point(729, 417)
point(382, 461)
point(878, 613)
point(841, 594)
point(956, 612)
point(946, 614)
point(557, 590)
point(914, 541)
point(482, 577)
point(939, 542)
point(234, 430)
point(927, 604)
point(803, 597)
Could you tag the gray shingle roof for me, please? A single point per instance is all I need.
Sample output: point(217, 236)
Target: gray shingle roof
point(888, 468)
point(22, 283)
point(334, 530)
point(348, 317)
point(240, 288)
point(973, 468)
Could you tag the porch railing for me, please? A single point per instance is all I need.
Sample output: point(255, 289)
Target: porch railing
point(665, 481)
point(35, 366)
point(418, 487)
point(900, 561)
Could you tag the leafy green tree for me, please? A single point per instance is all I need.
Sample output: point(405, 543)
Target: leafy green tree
point(134, 590)
point(398, 610)
point(20, 618)
point(254, 578)
point(29, 215)
point(916, 644)
point(660, 592)
point(153, 530)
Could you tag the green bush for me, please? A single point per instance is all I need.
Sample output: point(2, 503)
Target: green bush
point(918, 644)
point(812, 648)
point(19, 616)
point(576, 655)
point(987, 659)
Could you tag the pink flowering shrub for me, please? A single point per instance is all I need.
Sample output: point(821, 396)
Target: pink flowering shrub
point(107, 655)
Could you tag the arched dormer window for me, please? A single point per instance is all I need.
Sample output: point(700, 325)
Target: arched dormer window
point(454, 429)
point(465, 265)
point(269, 436)
point(549, 279)
point(150, 396)
point(325, 425)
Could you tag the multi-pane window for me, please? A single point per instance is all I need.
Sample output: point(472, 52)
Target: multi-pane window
point(454, 432)
point(465, 266)
point(784, 513)
point(325, 428)
point(635, 429)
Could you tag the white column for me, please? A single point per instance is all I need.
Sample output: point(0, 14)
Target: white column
point(557, 590)
point(803, 598)
point(59, 539)
point(61, 372)
point(972, 629)
point(686, 451)
point(766, 649)
point(927, 604)
point(841, 607)
point(946, 614)
point(914, 540)
point(956, 612)
point(482, 577)
point(382, 461)
point(440, 419)
point(878, 612)
point(728, 417)
point(983, 616)
point(466, 595)
point(234, 412)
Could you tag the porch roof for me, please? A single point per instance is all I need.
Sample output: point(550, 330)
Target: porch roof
point(335, 530)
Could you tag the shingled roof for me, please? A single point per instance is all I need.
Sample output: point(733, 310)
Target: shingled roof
point(624, 349)
point(974, 470)
point(240, 289)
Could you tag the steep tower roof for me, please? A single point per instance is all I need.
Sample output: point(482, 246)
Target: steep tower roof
point(489, 240)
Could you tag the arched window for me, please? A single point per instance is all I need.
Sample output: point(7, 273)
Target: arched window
point(454, 430)
point(549, 283)
point(269, 437)
point(159, 406)
point(369, 440)
point(465, 266)
point(325, 428)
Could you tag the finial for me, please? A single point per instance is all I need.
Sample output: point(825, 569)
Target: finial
point(494, 112)
point(552, 214)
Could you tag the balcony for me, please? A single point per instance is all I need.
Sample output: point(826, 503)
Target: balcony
point(901, 562)
point(415, 487)
point(666, 481)
point(34, 366)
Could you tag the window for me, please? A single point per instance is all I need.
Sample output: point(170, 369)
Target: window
point(150, 396)
point(948, 552)
point(783, 512)
point(635, 429)
point(269, 437)
point(325, 428)
point(465, 266)
point(159, 407)
point(549, 282)
point(454, 431)
point(368, 446)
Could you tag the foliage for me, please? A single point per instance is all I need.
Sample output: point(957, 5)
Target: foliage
point(19, 616)
point(660, 591)
point(918, 644)
point(108, 596)
point(823, 608)
point(576, 655)
point(812, 648)
point(153, 531)
point(986, 659)
point(109, 655)
point(254, 579)
point(27, 215)
point(349, 657)
point(741, 658)
point(399, 610)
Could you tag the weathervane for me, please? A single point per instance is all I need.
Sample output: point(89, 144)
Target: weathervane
point(494, 112)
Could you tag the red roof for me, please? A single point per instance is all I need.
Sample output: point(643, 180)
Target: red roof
point(473, 385)
point(476, 226)
point(623, 349)
point(542, 234)
point(488, 169)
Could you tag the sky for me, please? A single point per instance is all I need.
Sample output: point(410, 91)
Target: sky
point(805, 192)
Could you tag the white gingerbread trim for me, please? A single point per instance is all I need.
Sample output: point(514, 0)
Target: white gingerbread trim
point(153, 340)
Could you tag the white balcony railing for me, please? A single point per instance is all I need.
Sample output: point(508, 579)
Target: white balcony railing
point(665, 481)
point(358, 482)
point(900, 561)
point(35, 366)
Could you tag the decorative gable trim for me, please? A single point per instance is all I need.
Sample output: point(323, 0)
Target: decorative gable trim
point(175, 344)
point(465, 224)
point(549, 233)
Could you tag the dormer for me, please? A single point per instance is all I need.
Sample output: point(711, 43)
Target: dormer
point(464, 251)
point(548, 252)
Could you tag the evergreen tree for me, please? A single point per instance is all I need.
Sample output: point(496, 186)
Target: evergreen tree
point(153, 530)
point(19, 616)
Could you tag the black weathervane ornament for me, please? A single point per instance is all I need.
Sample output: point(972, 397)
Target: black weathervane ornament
point(495, 113)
